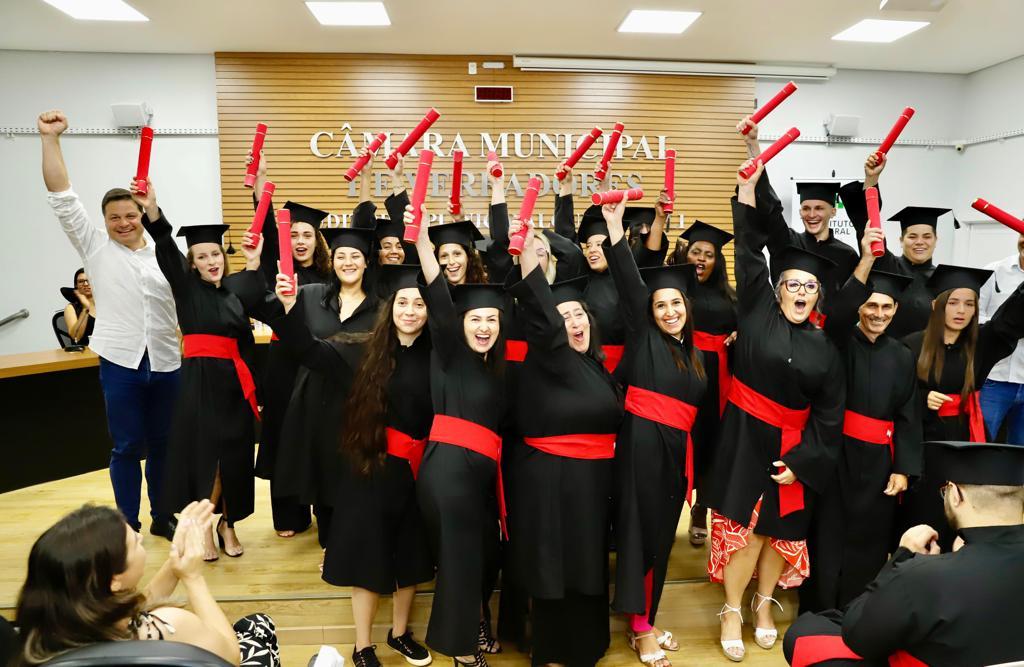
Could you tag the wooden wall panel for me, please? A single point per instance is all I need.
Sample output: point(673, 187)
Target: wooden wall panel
point(298, 95)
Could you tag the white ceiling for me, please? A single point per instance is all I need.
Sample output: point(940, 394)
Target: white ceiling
point(965, 36)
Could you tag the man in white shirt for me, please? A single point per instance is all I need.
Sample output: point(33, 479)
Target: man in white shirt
point(1002, 396)
point(136, 329)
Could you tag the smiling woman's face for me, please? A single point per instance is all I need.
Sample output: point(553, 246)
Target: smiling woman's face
point(798, 293)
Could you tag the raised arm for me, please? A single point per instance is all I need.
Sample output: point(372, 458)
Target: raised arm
point(51, 125)
point(249, 285)
point(845, 303)
point(269, 253)
point(572, 262)
point(753, 288)
point(998, 337)
point(565, 217)
point(538, 314)
point(169, 257)
point(625, 273)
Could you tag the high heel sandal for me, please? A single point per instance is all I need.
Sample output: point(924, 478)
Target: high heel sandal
point(487, 643)
point(650, 659)
point(698, 534)
point(220, 542)
point(667, 641)
point(764, 637)
point(736, 645)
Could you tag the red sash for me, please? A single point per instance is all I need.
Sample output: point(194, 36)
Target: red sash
point(904, 659)
point(406, 447)
point(273, 336)
point(817, 319)
point(515, 350)
point(814, 649)
point(716, 343)
point(790, 422)
point(589, 446)
point(477, 438)
point(669, 411)
point(975, 419)
point(612, 356)
point(868, 429)
point(223, 347)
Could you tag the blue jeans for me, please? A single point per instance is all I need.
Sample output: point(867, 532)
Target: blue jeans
point(1004, 400)
point(140, 407)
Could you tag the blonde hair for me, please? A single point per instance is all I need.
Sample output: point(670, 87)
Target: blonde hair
point(549, 274)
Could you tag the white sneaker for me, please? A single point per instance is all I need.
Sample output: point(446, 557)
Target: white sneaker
point(328, 656)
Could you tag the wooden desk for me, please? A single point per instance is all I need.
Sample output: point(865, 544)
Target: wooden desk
point(48, 361)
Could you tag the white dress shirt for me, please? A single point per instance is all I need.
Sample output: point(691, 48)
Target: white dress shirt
point(134, 304)
point(997, 289)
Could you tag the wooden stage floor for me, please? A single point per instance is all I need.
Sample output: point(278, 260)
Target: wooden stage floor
point(281, 576)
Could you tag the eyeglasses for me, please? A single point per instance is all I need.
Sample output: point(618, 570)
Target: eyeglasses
point(793, 286)
point(82, 281)
point(944, 489)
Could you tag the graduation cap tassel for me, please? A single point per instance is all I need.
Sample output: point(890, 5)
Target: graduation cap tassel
point(231, 247)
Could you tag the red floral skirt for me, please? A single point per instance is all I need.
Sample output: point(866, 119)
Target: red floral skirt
point(728, 537)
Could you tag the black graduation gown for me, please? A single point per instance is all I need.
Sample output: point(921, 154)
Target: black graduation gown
point(650, 457)
point(377, 541)
point(915, 301)
point(213, 427)
point(997, 339)
point(957, 609)
point(714, 313)
point(308, 463)
point(851, 530)
point(793, 365)
point(456, 486)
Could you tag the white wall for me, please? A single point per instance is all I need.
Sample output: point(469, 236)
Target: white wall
point(35, 256)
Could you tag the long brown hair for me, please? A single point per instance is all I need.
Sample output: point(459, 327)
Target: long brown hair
point(475, 271)
point(322, 257)
point(933, 346)
point(191, 261)
point(363, 440)
point(687, 358)
point(66, 601)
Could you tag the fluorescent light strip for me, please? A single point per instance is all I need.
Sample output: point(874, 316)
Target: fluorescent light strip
point(676, 67)
point(879, 31)
point(350, 13)
point(98, 10)
point(658, 21)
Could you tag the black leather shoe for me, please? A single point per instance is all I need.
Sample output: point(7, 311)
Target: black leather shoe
point(164, 527)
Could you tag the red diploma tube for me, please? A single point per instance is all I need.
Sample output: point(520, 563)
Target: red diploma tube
point(670, 177)
point(999, 215)
point(412, 138)
point(456, 198)
point(357, 167)
point(770, 105)
point(896, 130)
point(145, 149)
point(615, 196)
point(284, 245)
point(609, 151)
point(770, 152)
point(419, 193)
point(515, 243)
point(874, 219)
point(581, 150)
point(256, 226)
point(257, 146)
point(497, 170)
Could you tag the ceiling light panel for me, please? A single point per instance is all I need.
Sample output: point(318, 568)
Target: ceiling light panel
point(98, 10)
point(658, 21)
point(879, 31)
point(350, 13)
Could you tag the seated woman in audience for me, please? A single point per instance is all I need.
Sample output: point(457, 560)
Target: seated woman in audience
point(80, 313)
point(82, 589)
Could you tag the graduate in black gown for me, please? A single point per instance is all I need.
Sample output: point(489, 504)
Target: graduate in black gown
point(713, 304)
point(389, 230)
point(377, 543)
point(853, 523)
point(954, 355)
point(817, 208)
point(781, 431)
point(460, 472)
point(567, 410)
point(212, 438)
point(308, 466)
point(665, 384)
point(312, 265)
point(931, 606)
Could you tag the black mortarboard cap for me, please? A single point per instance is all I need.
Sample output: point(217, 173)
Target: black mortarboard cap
point(890, 284)
point(360, 238)
point(637, 216)
point(825, 192)
point(203, 234)
point(464, 233)
point(921, 215)
point(793, 257)
point(477, 295)
point(702, 231)
point(386, 228)
point(679, 276)
point(592, 223)
point(570, 290)
point(947, 277)
point(307, 214)
point(983, 463)
point(393, 277)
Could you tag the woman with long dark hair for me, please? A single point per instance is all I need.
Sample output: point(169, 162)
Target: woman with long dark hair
point(209, 454)
point(954, 356)
point(82, 588)
point(713, 303)
point(455, 250)
point(665, 384)
point(80, 313)
point(456, 485)
point(781, 430)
